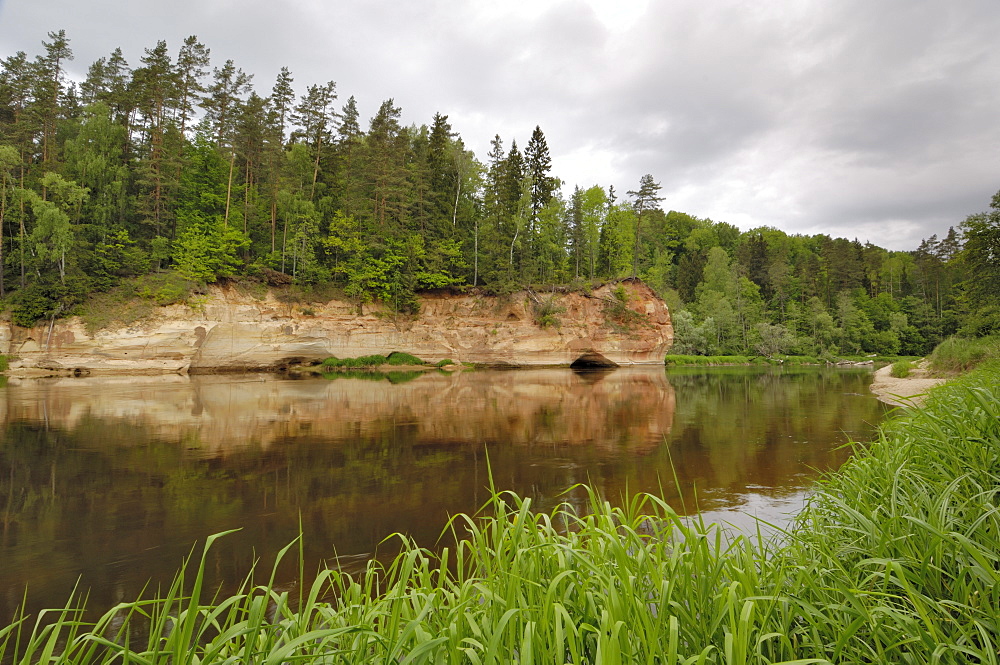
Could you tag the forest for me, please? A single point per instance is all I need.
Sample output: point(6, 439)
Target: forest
point(157, 177)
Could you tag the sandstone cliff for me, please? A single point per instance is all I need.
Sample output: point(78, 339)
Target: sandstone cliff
point(232, 331)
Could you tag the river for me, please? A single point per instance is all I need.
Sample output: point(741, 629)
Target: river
point(112, 480)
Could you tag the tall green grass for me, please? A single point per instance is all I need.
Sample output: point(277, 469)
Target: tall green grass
point(960, 354)
point(901, 369)
point(896, 559)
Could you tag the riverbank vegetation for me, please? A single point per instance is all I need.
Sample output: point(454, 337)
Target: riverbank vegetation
point(172, 171)
point(676, 360)
point(960, 354)
point(901, 369)
point(893, 560)
point(395, 358)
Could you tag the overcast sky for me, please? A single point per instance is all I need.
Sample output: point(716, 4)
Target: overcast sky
point(860, 118)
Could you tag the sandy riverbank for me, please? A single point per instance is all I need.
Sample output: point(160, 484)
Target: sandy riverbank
point(910, 391)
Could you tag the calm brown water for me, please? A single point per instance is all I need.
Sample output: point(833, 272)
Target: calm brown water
point(112, 480)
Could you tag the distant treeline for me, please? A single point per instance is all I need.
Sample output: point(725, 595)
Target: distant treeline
point(177, 167)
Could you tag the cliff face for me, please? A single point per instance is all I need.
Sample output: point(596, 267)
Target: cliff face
point(231, 331)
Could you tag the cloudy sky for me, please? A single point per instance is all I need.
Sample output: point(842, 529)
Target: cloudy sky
point(871, 119)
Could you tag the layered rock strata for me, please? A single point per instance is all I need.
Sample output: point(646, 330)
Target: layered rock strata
point(231, 331)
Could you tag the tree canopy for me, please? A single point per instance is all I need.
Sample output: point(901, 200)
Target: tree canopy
point(179, 166)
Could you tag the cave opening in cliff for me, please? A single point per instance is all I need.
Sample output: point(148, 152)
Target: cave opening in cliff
point(592, 360)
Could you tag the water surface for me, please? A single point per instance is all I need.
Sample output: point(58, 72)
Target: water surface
point(111, 480)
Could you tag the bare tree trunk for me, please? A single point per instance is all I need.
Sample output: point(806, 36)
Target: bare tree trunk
point(3, 211)
point(274, 220)
point(319, 144)
point(22, 222)
point(229, 186)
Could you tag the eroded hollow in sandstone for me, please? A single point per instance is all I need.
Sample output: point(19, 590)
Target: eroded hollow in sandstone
point(592, 360)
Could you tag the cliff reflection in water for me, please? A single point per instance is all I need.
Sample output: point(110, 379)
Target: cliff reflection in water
point(112, 480)
point(219, 415)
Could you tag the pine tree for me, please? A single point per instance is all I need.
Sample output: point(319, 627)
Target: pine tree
point(280, 102)
point(538, 163)
point(979, 256)
point(222, 107)
point(224, 96)
point(442, 174)
point(252, 127)
point(192, 63)
point(384, 168)
point(317, 117)
point(156, 85)
point(348, 155)
point(50, 88)
point(279, 107)
point(577, 236)
point(645, 199)
point(9, 160)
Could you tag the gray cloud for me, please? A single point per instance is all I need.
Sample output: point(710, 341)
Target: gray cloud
point(875, 120)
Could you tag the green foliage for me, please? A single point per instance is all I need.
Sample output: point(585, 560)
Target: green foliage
point(400, 358)
point(979, 255)
point(547, 311)
point(618, 313)
point(444, 362)
point(958, 354)
point(397, 377)
point(901, 369)
point(30, 304)
point(392, 376)
point(394, 358)
point(205, 255)
point(799, 360)
point(114, 181)
point(351, 363)
point(121, 304)
point(116, 256)
point(3, 363)
point(164, 288)
point(681, 360)
point(673, 359)
point(771, 339)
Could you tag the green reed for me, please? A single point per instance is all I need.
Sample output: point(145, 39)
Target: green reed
point(896, 559)
point(960, 354)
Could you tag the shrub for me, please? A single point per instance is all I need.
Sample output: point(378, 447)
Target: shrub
point(617, 311)
point(394, 358)
point(958, 354)
point(901, 369)
point(361, 361)
point(546, 312)
point(3, 363)
point(400, 358)
point(164, 288)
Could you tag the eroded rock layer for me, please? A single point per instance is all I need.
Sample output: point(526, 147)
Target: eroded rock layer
point(233, 331)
